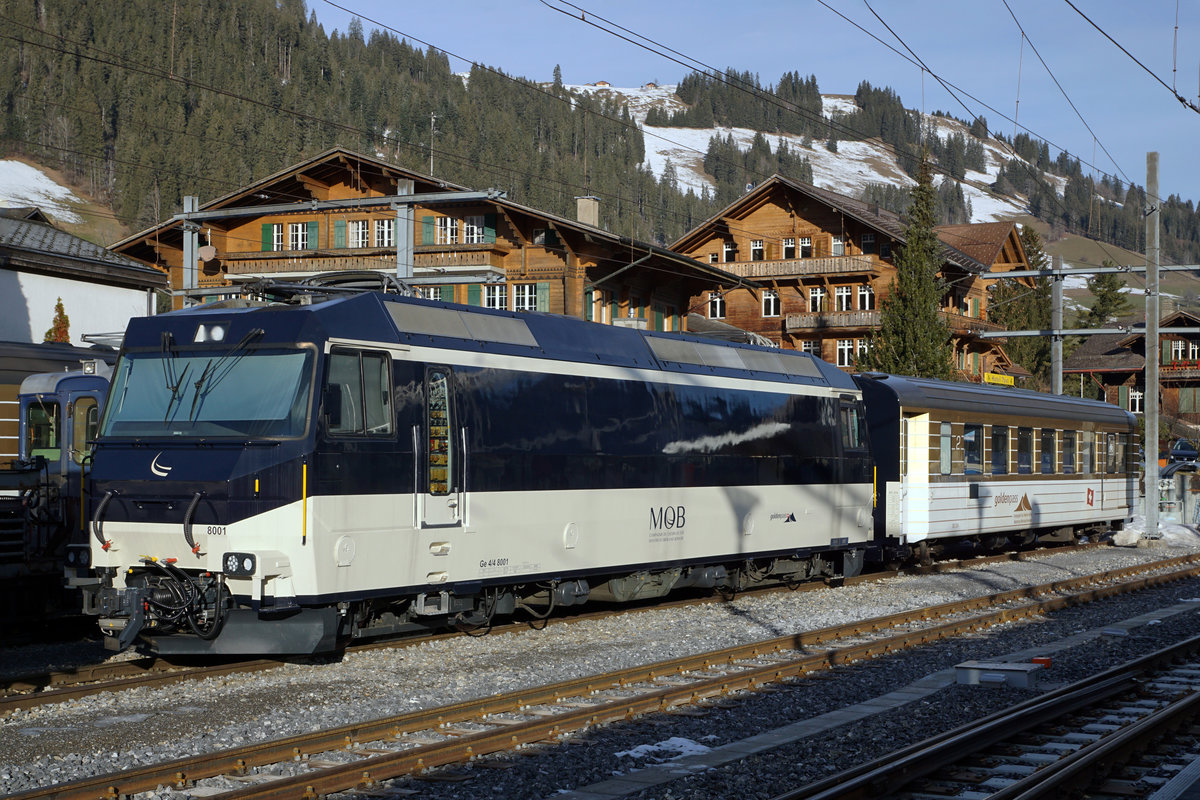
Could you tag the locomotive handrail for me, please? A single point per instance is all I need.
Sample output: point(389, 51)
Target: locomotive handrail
point(98, 520)
point(187, 523)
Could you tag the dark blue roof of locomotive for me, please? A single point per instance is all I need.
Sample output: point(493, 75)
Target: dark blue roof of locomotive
point(371, 316)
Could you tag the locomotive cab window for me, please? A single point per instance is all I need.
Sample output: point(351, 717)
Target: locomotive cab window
point(1024, 451)
point(999, 450)
point(41, 430)
point(972, 449)
point(440, 454)
point(358, 394)
point(854, 432)
point(1048, 451)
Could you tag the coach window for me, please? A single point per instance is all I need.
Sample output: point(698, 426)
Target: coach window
point(1111, 452)
point(945, 452)
point(358, 397)
point(84, 418)
point(1085, 452)
point(1024, 450)
point(1048, 449)
point(440, 452)
point(972, 449)
point(999, 450)
point(1068, 452)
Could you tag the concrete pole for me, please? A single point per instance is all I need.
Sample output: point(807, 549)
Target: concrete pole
point(191, 233)
point(1150, 400)
point(1056, 323)
point(404, 231)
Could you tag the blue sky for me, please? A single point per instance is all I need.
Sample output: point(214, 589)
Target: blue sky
point(975, 44)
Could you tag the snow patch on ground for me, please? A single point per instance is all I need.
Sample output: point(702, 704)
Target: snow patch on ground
point(668, 750)
point(1172, 534)
point(838, 104)
point(23, 185)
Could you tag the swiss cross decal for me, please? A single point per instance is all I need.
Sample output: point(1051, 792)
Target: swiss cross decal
point(1091, 496)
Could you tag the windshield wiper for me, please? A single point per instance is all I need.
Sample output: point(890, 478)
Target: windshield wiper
point(175, 392)
point(210, 369)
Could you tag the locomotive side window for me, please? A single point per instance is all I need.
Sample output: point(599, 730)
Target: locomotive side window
point(1068, 452)
point(41, 430)
point(1048, 448)
point(999, 450)
point(85, 416)
point(972, 449)
point(1024, 450)
point(944, 450)
point(438, 421)
point(358, 396)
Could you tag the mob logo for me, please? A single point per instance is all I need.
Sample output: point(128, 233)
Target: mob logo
point(666, 518)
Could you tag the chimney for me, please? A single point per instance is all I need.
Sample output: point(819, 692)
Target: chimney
point(587, 210)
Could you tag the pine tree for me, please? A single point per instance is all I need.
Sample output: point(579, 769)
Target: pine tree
point(60, 330)
point(1108, 302)
point(913, 338)
point(1020, 308)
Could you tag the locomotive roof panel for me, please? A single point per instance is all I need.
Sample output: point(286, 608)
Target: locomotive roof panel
point(372, 316)
point(927, 393)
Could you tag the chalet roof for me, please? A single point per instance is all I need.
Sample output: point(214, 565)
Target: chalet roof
point(1104, 353)
point(28, 213)
point(982, 241)
point(38, 247)
point(869, 214)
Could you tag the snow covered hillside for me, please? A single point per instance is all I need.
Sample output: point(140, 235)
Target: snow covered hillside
point(22, 185)
point(847, 171)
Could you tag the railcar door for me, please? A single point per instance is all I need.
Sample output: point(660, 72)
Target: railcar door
point(441, 475)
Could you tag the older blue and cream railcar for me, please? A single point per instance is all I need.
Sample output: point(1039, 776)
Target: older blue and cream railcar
point(993, 465)
point(278, 479)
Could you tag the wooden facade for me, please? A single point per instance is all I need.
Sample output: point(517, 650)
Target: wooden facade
point(490, 252)
point(825, 263)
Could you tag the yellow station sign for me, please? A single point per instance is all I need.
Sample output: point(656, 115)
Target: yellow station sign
point(1003, 380)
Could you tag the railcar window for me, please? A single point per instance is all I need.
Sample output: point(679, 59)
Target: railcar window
point(1024, 450)
point(1068, 452)
point(854, 436)
point(1048, 448)
point(41, 430)
point(972, 449)
point(439, 454)
point(84, 418)
point(999, 450)
point(1085, 457)
point(945, 453)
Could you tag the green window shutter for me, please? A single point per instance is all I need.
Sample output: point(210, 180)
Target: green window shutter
point(314, 235)
point(1123, 396)
point(446, 294)
point(614, 310)
point(489, 228)
point(588, 301)
point(339, 233)
point(268, 237)
point(1166, 351)
point(543, 296)
point(427, 236)
point(552, 238)
point(658, 319)
point(1187, 400)
point(474, 295)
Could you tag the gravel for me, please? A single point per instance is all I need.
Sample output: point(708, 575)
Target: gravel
point(103, 734)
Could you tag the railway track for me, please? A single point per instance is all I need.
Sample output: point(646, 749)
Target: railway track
point(365, 754)
point(33, 690)
point(1066, 743)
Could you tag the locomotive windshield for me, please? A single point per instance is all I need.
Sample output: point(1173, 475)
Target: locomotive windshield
point(206, 394)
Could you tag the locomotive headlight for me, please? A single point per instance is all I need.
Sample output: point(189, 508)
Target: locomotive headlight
point(78, 555)
point(239, 564)
point(210, 332)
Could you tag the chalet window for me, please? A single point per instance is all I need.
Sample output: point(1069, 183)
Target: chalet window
point(806, 247)
point(838, 246)
point(297, 236)
point(495, 296)
point(861, 346)
point(816, 298)
point(446, 230)
point(357, 233)
point(473, 230)
point(1024, 451)
point(757, 252)
point(713, 258)
point(885, 248)
point(866, 298)
point(716, 306)
point(972, 449)
point(845, 352)
point(525, 297)
point(999, 450)
point(272, 237)
point(842, 298)
point(1193, 351)
point(789, 248)
point(811, 346)
point(385, 233)
point(770, 303)
point(868, 243)
point(730, 252)
point(1135, 400)
point(1048, 448)
point(430, 292)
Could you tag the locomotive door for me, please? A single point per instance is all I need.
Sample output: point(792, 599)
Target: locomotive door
point(441, 475)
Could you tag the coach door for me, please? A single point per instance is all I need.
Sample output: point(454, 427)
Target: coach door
point(439, 465)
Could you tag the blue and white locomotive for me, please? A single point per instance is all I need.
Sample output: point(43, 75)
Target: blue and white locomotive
point(282, 478)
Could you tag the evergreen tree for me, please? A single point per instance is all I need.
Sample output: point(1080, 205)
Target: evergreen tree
point(913, 338)
point(1020, 308)
point(60, 329)
point(1108, 301)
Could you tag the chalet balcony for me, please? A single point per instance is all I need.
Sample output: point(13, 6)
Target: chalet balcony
point(958, 323)
point(439, 258)
point(1179, 370)
point(830, 265)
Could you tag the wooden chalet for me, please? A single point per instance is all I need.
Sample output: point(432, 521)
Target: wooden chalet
point(491, 252)
point(1115, 365)
point(825, 262)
